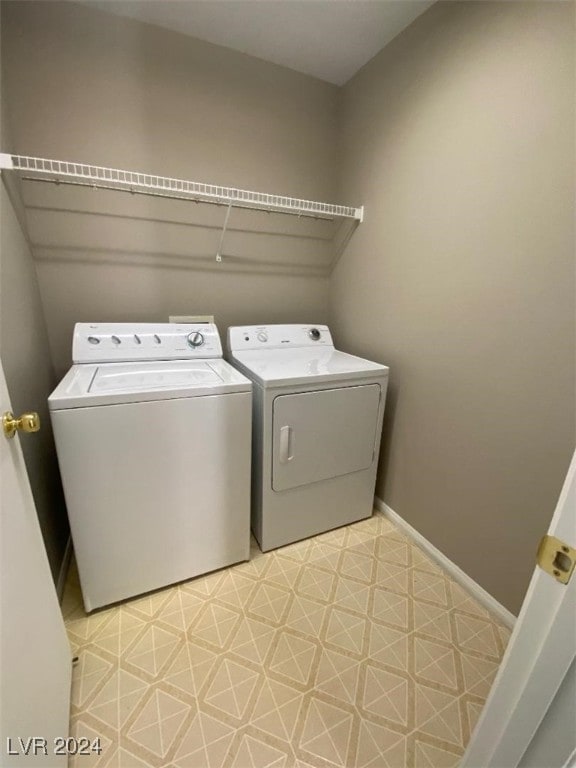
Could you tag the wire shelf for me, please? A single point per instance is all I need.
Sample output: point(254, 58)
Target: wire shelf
point(113, 178)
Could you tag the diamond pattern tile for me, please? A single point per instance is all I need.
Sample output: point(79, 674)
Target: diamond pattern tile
point(87, 677)
point(386, 695)
point(389, 646)
point(190, 668)
point(283, 571)
point(432, 620)
point(234, 589)
point(393, 577)
point(476, 635)
point(346, 630)
point(357, 565)
point(306, 616)
point(324, 555)
point(478, 673)
point(253, 753)
point(293, 658)
point(473, 709)
point(269, 603)
point(435, 663)
point(429, 756)
point(252, 640)
point(438, 714)
point(180, 610)
point(215, 625)
point(351, 595)
point(337, 676)
point(158, 723)
point(390, 608)
point(326, 732)
point(465, 602)
point(349, 650)
point(429, 586)
point(316, 583)
point(205, 743)
point(118, 634)
point(277, 709)
point(379, 747)
point(152, 650)
point(392, 550)
point(231, 688)
point(117, 699)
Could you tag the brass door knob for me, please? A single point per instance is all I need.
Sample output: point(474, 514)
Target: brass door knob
point(28, 422)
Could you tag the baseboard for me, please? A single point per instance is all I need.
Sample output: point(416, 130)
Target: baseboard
point(465, 581)
point(64, 566)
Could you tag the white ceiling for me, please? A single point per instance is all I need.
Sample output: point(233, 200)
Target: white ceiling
point(328, 39)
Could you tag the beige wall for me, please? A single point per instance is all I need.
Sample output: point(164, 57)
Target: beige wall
point(26, 361)
point(87, 86)
point(459, 140)
point(30, 376)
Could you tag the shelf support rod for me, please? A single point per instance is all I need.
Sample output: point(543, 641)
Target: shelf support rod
point(219, 251)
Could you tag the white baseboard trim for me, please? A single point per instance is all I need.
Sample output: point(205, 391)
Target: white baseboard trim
point(465, 581)
point(64, 566)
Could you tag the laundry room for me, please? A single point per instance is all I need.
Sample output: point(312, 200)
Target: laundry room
point(241, 180)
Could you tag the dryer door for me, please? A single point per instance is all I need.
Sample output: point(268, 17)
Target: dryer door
point(318, 435)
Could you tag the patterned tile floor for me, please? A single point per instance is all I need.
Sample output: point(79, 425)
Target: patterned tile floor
point(349, 650)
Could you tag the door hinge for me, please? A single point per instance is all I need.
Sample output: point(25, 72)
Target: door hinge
point(556, 558)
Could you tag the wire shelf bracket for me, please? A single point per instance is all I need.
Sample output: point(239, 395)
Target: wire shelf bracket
point(60, 171)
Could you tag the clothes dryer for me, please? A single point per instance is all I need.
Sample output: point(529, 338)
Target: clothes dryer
point(317, 422)
point(152, 431)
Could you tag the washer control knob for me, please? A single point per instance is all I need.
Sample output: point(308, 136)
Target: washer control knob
point(262, 336)
point(314, 334)
point(195, 339)
point(93, 339)
point(116, 340)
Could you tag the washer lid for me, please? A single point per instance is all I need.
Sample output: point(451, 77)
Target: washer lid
point(133, 377)
point(282, 367)
point(116, 383)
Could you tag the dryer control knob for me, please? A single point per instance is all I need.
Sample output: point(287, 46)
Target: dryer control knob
point(314, 334)
point(195, 339)
point(262, 336)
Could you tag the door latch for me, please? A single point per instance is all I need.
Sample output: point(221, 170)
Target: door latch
point(556, 558)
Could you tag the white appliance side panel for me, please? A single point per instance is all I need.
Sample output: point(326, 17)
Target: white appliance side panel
point(321, 435)
point(258, 441)
point(157, 492)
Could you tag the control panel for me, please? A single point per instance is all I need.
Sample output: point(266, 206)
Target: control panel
point(121, 342)
point(278, 337)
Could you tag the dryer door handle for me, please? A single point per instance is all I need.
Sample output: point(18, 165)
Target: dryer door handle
point(286, 444)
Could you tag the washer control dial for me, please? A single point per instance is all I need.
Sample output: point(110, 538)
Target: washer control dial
point(314, 334)
point(195, 339)
point(262, 336)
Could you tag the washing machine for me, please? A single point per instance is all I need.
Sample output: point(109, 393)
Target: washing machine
point(153, 434)
point(317, 422)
